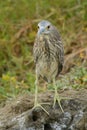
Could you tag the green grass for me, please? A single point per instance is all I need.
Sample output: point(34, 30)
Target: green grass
point(76, 78)
point(18, 20)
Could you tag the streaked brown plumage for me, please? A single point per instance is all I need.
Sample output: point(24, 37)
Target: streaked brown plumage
point(48, 52)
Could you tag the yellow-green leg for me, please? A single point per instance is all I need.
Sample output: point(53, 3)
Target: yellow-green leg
point(36, 104)
point(36, 92)
point(56, 96)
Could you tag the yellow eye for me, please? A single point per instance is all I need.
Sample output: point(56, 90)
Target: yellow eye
point(48, 26)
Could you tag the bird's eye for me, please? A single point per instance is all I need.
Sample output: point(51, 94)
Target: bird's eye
point(38, 27)
point(48, 26)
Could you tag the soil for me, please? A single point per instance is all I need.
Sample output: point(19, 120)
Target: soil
point(18, 114)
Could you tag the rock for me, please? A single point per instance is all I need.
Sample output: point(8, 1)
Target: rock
point(19, 115)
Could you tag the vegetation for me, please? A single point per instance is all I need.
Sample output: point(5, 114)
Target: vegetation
point(18, 20)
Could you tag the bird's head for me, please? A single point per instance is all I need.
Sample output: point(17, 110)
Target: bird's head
point(44, 27)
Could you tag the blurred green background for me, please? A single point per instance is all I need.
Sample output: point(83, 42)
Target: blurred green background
point(18, 27)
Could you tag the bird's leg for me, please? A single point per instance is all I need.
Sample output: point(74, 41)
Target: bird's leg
point(36, 104)
point(56, 96)
point(36, 91)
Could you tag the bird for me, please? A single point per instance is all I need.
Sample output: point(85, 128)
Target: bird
point(48, 54)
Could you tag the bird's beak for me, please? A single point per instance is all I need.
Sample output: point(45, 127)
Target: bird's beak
point(41, 31)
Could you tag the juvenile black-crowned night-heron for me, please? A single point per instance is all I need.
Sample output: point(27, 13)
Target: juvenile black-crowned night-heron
point(48, 56)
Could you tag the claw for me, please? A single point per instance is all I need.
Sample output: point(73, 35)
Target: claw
point(56, 97)
point(38, 105)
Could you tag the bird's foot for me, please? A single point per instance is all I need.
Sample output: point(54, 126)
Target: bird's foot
point(40, 105)
point(58, 99)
